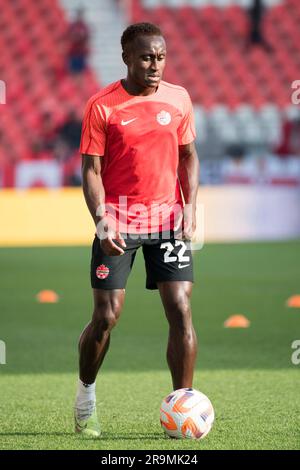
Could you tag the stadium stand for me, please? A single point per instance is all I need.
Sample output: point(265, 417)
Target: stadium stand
point(241, 94)
point(33, 66)
point(209, 56)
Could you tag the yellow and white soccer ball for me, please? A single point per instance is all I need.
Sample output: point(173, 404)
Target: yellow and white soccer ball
point(186, 413)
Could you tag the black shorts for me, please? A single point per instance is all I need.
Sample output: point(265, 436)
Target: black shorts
point(166, 259)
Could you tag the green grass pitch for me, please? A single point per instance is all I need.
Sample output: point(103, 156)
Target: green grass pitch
point(247, 373)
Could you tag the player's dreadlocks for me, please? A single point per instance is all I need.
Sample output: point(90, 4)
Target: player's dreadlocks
point(139, 29)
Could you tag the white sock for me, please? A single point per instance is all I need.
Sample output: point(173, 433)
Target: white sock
point(85, 400)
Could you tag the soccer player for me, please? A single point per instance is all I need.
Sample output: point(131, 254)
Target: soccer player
point(140, 178)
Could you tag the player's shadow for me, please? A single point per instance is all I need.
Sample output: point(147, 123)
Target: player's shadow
point(103, 438)
point(32, 434)
point(132, 437)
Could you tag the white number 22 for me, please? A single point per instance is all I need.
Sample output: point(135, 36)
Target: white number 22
point(169, 247)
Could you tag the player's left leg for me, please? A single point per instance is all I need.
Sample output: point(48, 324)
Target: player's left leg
point(182, 344)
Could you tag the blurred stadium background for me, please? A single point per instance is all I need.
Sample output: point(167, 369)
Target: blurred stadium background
point(53, 58)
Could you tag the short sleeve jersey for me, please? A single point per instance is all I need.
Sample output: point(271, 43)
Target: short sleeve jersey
point(137, 138)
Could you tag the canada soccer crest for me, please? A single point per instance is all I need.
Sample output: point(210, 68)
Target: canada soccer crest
point(102, 271)
point(163, 118)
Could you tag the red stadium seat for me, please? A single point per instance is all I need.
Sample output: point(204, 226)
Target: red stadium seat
point(29, 64)
point(209, 42)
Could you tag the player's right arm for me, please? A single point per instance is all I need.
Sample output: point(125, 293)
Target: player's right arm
point(94, 194)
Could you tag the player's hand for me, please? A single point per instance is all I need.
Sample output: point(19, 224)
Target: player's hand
point(110, 239)
point(186, 223)
point(109, 246)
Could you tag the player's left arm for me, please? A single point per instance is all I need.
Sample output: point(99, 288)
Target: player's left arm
point(188, 174)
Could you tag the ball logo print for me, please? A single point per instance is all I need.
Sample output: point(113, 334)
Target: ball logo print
point(163, 118)
point(186, 414)
point(102, 271)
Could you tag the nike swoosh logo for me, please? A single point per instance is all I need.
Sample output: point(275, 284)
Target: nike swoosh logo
point(124, 123)
point(180, 266)
point(80, 427)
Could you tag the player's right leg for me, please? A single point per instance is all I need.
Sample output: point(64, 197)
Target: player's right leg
point(93, 346)
point(108, 279)
point(95, 338)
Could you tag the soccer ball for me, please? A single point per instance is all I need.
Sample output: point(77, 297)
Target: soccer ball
point(186, 413)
